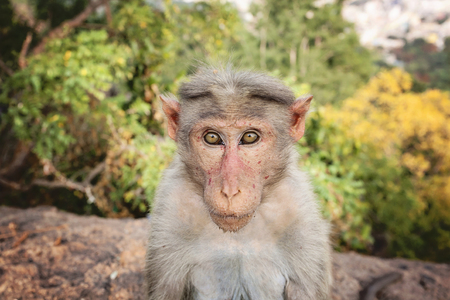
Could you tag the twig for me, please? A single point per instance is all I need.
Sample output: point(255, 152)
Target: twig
point(77, 173)
point(59, 184)
point(94, 172)
point(5, 68)
point(61, 180)
point(24, 50)
point(61, 30)
point(65, 183)
point(22, 238)
point(12, 185)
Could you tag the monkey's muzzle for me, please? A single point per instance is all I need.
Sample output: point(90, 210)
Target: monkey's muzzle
point(231, 222)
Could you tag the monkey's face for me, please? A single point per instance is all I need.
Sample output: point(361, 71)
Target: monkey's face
point(234, 159)
point(234, 156)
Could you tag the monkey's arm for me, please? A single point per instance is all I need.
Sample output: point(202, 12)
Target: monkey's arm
point(162, 284)
point(298, 291)
point(311, 276)
point(169, 251)
point(308, 252)
point(165, 267)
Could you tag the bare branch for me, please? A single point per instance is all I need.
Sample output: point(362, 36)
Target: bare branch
point(94, 172)
point(46, 183)
point(59, 184)
point(61, 181)
point(78, 173)
point(12, 185)
point(61, 30)
point(24, 50)
point(5, 68)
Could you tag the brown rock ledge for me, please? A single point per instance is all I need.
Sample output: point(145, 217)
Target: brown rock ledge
point(58, 255)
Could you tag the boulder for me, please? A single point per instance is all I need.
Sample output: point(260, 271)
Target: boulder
point(49, 254)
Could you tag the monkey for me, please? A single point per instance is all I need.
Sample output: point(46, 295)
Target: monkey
point(234, 217)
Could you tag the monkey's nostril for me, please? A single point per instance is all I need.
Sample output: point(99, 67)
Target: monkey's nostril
point(230, 193)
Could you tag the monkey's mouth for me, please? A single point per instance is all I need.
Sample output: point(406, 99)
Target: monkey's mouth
point(231, 222)
point(231, 216)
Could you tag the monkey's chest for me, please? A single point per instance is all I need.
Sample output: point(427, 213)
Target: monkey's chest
point(237, 275)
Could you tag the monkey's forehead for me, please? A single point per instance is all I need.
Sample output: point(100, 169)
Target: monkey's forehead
point(232, 106)
point(237, 123)
point(223, 84)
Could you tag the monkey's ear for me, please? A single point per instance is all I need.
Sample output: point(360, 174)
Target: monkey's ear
point(171, 108)
point(298, 111)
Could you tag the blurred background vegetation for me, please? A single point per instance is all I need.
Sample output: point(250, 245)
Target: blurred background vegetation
point(81, 126)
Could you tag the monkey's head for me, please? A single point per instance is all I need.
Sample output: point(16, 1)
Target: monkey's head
point(235, 132)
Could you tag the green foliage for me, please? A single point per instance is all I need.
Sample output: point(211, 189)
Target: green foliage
point(204, 30)
point(90, 98)
point(427, 63)
point(58, 85)
point(364, 195)
point(406, 165)
point(312, 43)
point(325, 152)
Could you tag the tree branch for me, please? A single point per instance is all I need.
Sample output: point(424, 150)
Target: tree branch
point(94, 172)
point(61, 30)
point(24, 50)
point(10, 184)
point(45, 183)
point(61, 181)
point(59, 184)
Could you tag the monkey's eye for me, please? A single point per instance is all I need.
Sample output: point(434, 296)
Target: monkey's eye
point(249, 137)
point(212, 138)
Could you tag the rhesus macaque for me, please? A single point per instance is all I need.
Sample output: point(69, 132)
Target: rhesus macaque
point(234, 217)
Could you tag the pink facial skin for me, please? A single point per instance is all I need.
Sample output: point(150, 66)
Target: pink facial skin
point(233, 173)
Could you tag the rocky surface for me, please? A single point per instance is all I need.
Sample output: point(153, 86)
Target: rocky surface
point(49, 254)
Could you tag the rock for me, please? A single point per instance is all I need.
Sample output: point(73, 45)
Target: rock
point(66, 256)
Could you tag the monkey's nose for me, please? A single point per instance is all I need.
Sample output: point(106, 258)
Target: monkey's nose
point(230, 192)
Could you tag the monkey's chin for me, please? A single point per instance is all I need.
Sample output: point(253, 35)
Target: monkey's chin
point(231, 223)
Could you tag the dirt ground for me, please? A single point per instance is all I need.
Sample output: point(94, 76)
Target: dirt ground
point(50, 254)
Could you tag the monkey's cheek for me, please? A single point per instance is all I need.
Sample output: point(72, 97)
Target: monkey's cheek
point(232, 224)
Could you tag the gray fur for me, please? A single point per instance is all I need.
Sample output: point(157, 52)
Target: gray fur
point(283, 253)
point(218, 91)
